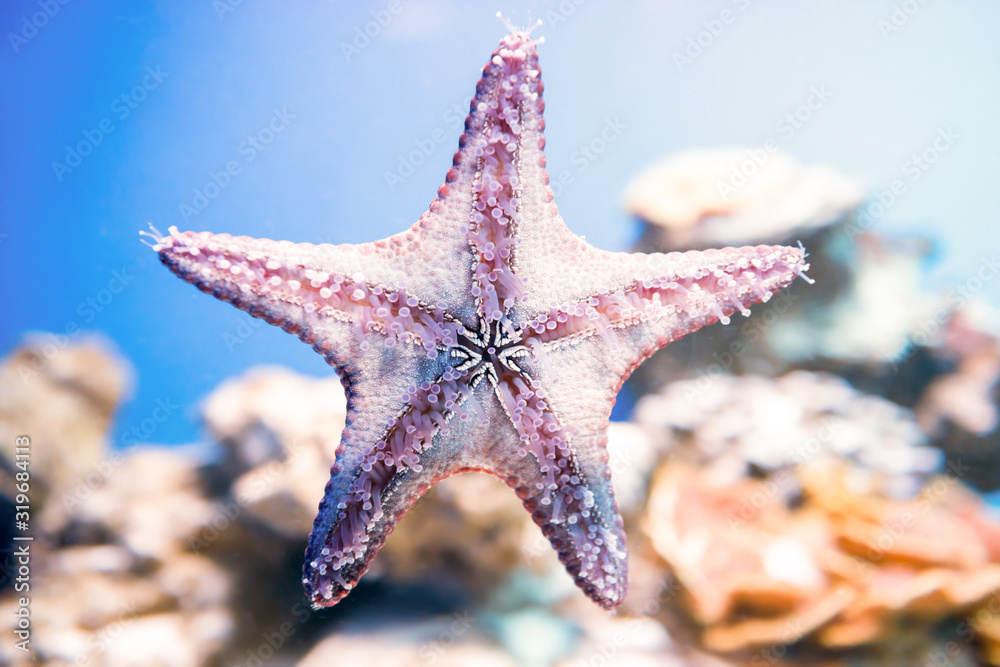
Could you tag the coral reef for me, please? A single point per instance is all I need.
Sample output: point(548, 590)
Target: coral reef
point(959, 409)
point(736, 195)
point(112, 575)
point(747, 422)
point(81, 384)
point(843, 566)
point(280, 432)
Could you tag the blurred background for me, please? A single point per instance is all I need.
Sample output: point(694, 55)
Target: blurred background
point(812, 486)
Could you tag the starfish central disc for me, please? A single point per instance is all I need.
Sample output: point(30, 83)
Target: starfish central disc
point(489, 352)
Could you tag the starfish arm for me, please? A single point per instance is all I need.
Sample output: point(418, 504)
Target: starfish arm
point(563, 479)
point(481, 190)
point(374, 480)
point(651, 300)
point(307, 290)
point(555, 266)
point(543, 240)
point(504, 116)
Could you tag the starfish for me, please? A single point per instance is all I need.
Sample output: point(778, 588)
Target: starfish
point(485, 337)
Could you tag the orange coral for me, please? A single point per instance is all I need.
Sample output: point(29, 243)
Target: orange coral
point(845, 567)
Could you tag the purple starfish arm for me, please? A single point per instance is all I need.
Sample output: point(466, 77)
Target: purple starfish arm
point(301, 287)
point(662, 296)
point(485, 337)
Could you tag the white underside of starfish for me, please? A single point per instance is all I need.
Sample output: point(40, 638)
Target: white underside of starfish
point(485, 337)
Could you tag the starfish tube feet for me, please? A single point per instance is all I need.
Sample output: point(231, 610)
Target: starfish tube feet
point(362, 503)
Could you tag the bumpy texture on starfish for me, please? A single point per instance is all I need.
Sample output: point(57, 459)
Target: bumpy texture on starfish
point(485, 337)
